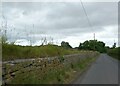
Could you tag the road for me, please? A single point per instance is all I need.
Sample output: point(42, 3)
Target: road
point(103, 71)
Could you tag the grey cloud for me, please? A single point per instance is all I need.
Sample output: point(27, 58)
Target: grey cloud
point(59, 19)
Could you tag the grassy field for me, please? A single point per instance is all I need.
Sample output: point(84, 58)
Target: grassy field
point(12, 52)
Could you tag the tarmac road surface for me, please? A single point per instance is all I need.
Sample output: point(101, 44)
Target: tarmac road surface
point(103, 71)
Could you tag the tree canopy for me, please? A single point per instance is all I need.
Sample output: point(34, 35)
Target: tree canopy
point(93, 45)
point(65, 44)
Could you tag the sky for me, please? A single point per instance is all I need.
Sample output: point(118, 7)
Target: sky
point(60, 21)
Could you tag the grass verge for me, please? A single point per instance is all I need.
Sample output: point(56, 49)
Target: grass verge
point(114, 53)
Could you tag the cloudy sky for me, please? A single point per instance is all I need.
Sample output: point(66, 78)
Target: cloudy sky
point(60, 21)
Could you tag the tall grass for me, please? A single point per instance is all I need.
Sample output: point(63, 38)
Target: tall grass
point(12, 52)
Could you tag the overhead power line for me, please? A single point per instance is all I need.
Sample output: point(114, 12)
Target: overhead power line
point(90, 24)
point(86, 14)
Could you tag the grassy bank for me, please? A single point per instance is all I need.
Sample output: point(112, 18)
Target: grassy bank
point(57, 74)
point(44, 71)
point(114, 53)
point(11, 52)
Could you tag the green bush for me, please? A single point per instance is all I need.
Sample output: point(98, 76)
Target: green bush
point(114, 53)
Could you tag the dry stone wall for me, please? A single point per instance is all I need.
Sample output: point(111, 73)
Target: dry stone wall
point(42, 66)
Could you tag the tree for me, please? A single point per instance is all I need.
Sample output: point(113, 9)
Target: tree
point(80, 46)
point(65, 44)
point(93, 45)
point(114, 46)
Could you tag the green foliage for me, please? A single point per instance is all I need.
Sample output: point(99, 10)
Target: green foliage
point(11, 52)
point(114, 52)
point(3, 39)
point(93, 45)
point(114, 46)
point(65, 45)
point(61, 58)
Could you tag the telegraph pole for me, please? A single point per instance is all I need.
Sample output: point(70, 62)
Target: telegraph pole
point(94, 36)
point(94, 41)
point(33, 35)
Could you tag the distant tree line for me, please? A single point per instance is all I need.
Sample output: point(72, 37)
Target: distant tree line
point(94, 45)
